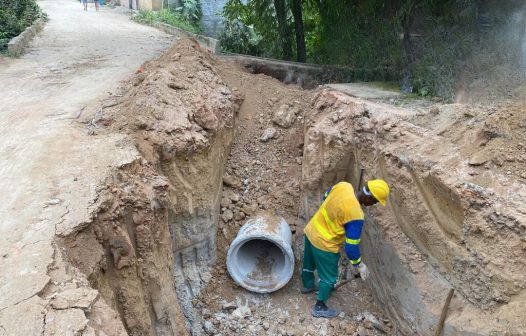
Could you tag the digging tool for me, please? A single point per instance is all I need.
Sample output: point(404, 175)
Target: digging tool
point(444, 313)
point(346, 281)
point(361, 178)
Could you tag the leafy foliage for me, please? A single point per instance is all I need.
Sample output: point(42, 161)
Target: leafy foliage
point(427, 38)
point(436, 57)
point(15, 16)
point(251, 26)
point(174, 18)
point(191, 9)
point(241, 39)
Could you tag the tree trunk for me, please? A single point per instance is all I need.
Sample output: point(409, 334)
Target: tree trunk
point(286, 43)
point(298, 27)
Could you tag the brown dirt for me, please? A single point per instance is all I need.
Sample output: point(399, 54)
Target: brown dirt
point(195, 168)
point(180, 116)
point(266, 176)
point(451, 220)
point(179, 170)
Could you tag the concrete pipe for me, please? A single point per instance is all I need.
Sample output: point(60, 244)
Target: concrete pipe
point(260, 259)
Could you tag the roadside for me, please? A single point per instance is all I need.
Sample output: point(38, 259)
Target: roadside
point(49, 163)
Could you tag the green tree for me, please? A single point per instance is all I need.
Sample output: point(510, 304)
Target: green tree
point(284, 31)
point(301, 48)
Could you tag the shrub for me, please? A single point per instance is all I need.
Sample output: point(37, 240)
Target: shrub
point(15, 16)
point(168, 16)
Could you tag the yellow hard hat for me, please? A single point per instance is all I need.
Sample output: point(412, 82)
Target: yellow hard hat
point(379, 189)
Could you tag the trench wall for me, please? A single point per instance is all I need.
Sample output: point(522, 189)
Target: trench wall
point(150, 248)
point(151, 242)
point(423, 242)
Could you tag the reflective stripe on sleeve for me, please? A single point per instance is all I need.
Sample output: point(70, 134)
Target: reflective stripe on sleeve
point(356, 261)
point(352, 241)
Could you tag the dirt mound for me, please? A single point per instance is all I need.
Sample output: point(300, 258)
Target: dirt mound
point(491, 138)
point(176, 103)
point(151, 242)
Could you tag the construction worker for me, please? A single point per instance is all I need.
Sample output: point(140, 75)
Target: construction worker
point(339, 219)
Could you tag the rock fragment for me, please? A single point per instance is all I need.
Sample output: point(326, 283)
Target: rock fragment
point(268, 134)
point(231, 181)
point(229, 305)
point(209, 328)
point(480, 158)
point(65, 322)
point(75, 298)
point(227, 215)
point(241, 312)
point(285, 116)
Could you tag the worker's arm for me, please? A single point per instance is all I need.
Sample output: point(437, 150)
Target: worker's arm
point(326, 194)
point(353, 230)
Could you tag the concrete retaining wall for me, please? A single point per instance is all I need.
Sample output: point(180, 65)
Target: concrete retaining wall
point(311, 75)
point(210, 44)
point(18, 44)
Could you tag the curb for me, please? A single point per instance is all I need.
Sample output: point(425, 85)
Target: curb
point(18, 44)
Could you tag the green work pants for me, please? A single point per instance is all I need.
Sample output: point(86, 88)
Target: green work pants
point(327, 265)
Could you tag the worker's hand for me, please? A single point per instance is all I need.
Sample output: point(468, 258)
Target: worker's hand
point(364, 272)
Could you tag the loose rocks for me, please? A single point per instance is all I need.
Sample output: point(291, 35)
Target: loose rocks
point(268, 134)
point(285, 116)
point(227, 215)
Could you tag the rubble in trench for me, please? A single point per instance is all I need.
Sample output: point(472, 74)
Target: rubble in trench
point(155, 249)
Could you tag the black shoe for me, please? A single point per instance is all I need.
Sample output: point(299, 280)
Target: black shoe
point(323, 311)
point(307, 290)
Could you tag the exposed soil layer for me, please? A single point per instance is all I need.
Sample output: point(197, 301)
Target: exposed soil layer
point(152, 239)
point(196, 146)
point(455, 217)
point(51, 168)
point(156, 247)
point(264, 175)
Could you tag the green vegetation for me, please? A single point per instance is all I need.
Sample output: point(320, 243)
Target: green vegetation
point(186, 17)
point(15, 16)
point(425, 40)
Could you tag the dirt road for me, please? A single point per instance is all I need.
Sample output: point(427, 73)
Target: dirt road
point(49, 166)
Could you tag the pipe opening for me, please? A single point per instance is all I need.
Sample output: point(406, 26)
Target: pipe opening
point(261, 261)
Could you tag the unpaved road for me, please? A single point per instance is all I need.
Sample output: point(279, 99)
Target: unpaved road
point(49, 166)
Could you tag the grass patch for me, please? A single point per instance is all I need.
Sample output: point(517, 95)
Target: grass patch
point(170, 17)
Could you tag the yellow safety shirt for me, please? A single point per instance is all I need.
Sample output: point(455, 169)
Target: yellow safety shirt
point(326, 229)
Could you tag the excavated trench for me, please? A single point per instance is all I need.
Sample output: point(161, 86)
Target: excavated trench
point(162, 223)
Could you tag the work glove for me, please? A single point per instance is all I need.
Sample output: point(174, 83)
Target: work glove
point(364, 272)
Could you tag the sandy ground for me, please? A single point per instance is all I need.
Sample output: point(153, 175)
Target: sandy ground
point(48, 162)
